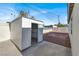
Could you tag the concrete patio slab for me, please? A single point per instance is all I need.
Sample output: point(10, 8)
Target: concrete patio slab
point(7, 48)
point(47, 49)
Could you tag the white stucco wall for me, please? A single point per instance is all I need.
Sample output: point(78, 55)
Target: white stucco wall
point(4, 32)
point(16, 32)
point(74, 37)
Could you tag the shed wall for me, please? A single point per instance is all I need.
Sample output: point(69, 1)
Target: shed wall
point(26, 33)
point(40, 32)
point(16, 32)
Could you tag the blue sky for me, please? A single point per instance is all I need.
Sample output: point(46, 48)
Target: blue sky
point(46, 12)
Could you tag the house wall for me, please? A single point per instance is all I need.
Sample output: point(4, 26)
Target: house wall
point(26, 33)
point(16, 32)
point(74, 37)
point(4, 32)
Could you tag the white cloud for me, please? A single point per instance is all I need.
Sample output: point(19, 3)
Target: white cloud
point(44, 11)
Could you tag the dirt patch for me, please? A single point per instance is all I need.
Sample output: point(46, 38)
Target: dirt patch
point(58, 38)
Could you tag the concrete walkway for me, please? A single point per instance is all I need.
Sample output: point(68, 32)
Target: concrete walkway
point(7, 48)
point(47, 49)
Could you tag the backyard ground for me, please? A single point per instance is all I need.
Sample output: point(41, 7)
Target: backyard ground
point(7, 48)
point(45, 48)
point(58, 38)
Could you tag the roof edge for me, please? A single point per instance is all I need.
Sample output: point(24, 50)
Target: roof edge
point(70, 9)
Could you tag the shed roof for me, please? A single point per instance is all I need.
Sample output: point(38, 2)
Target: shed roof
point(32, 20)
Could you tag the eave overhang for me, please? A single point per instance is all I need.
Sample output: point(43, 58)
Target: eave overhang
point(70, 9)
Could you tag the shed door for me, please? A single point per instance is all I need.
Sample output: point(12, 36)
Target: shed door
point(34, 33)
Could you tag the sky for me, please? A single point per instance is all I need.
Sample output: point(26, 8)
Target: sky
point(46, 12)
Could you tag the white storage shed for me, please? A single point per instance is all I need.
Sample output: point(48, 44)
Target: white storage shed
point(26, 32)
